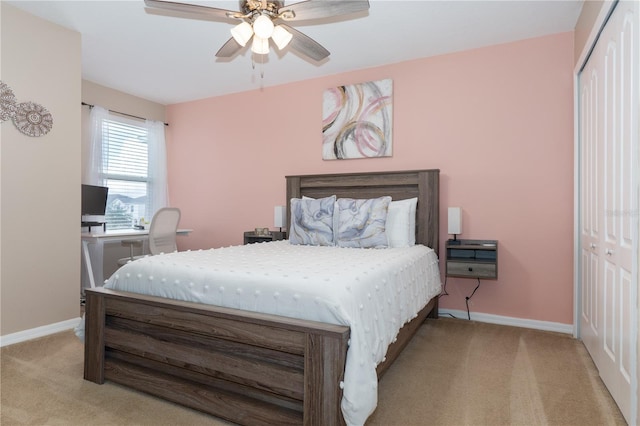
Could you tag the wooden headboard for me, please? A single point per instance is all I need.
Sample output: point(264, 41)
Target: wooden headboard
point(423, 184)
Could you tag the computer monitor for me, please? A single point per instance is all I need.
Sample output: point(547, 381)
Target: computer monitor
point(94, 203)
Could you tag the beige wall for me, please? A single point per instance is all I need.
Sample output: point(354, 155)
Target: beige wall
point(95, 94)
point(40, 176)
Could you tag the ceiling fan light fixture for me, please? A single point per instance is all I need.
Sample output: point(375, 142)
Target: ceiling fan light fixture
point(257, 19)
point(260, 45)
point(242, 33)
point(281, 37)
point(263, 27)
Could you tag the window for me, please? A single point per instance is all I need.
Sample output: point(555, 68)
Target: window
point(125, 158)
point(129, 157)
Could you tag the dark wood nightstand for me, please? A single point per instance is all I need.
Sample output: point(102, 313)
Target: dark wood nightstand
point(251, 237)
point(472, 259)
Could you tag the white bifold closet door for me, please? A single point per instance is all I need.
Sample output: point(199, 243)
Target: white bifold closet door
point(609, 215)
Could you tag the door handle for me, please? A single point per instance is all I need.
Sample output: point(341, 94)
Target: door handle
point(592, 246)
point(608, 252)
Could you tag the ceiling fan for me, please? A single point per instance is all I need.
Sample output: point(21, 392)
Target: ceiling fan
point(265, 19)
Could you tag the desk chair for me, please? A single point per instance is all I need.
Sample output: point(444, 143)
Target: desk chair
point(131, 244)
point(162, 234)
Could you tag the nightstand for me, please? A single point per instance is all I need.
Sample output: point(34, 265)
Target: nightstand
point(251, 237)
point(472, 259)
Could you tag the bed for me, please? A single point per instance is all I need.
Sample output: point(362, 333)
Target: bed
point(249, 367)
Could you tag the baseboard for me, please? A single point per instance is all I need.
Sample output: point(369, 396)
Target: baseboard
point(34, 333)
point(46, 330)
point(515, 322)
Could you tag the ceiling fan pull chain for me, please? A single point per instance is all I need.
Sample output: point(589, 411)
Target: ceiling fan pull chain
point(261, 64)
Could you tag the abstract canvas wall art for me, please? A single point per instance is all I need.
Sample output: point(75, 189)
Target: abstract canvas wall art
point(357, 121)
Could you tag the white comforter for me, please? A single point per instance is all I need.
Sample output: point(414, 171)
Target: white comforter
point(373, 291)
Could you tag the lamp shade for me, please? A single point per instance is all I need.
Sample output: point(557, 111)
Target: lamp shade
point(242, 33)
point(260, 45)
point(281, 37)
point(454, 222)
point(263, 27)
point(279, 216)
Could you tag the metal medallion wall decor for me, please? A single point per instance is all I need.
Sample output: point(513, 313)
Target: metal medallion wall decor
point(33, 119)
point(30, 118)
point(357, 121)
point(7, 103)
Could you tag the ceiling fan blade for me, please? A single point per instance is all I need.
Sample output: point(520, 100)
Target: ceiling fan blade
point(230, 48)
point(211, 12)
point(311, 9)
point(306, 45)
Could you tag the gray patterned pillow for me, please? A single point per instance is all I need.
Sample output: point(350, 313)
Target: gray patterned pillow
point(312, 221)
point(361, 223)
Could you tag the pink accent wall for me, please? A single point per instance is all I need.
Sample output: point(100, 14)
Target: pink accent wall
point(497, 122)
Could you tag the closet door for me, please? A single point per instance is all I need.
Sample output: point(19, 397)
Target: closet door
point(609, 204)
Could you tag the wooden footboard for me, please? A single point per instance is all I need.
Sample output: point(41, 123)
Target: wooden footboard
point(249, 368)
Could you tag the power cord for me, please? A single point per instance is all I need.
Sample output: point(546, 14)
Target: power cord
point(466, 299)
point(469, 297)
point(444, 288)
point(444, 293)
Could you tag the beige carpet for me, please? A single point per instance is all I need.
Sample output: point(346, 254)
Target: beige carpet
point(454, 372)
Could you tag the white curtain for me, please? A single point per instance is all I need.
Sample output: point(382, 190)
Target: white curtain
point(93, 172)
point(158, 191)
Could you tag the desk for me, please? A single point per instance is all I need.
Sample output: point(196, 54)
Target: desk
point(93, 248)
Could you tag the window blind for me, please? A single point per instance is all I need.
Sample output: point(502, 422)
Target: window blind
point(125, 152)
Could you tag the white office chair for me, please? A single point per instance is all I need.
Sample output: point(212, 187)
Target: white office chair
point(162, 234)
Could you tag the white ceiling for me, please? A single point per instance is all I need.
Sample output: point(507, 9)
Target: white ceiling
point(169, 59)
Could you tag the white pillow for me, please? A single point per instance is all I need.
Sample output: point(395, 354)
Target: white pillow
point(401, 223)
